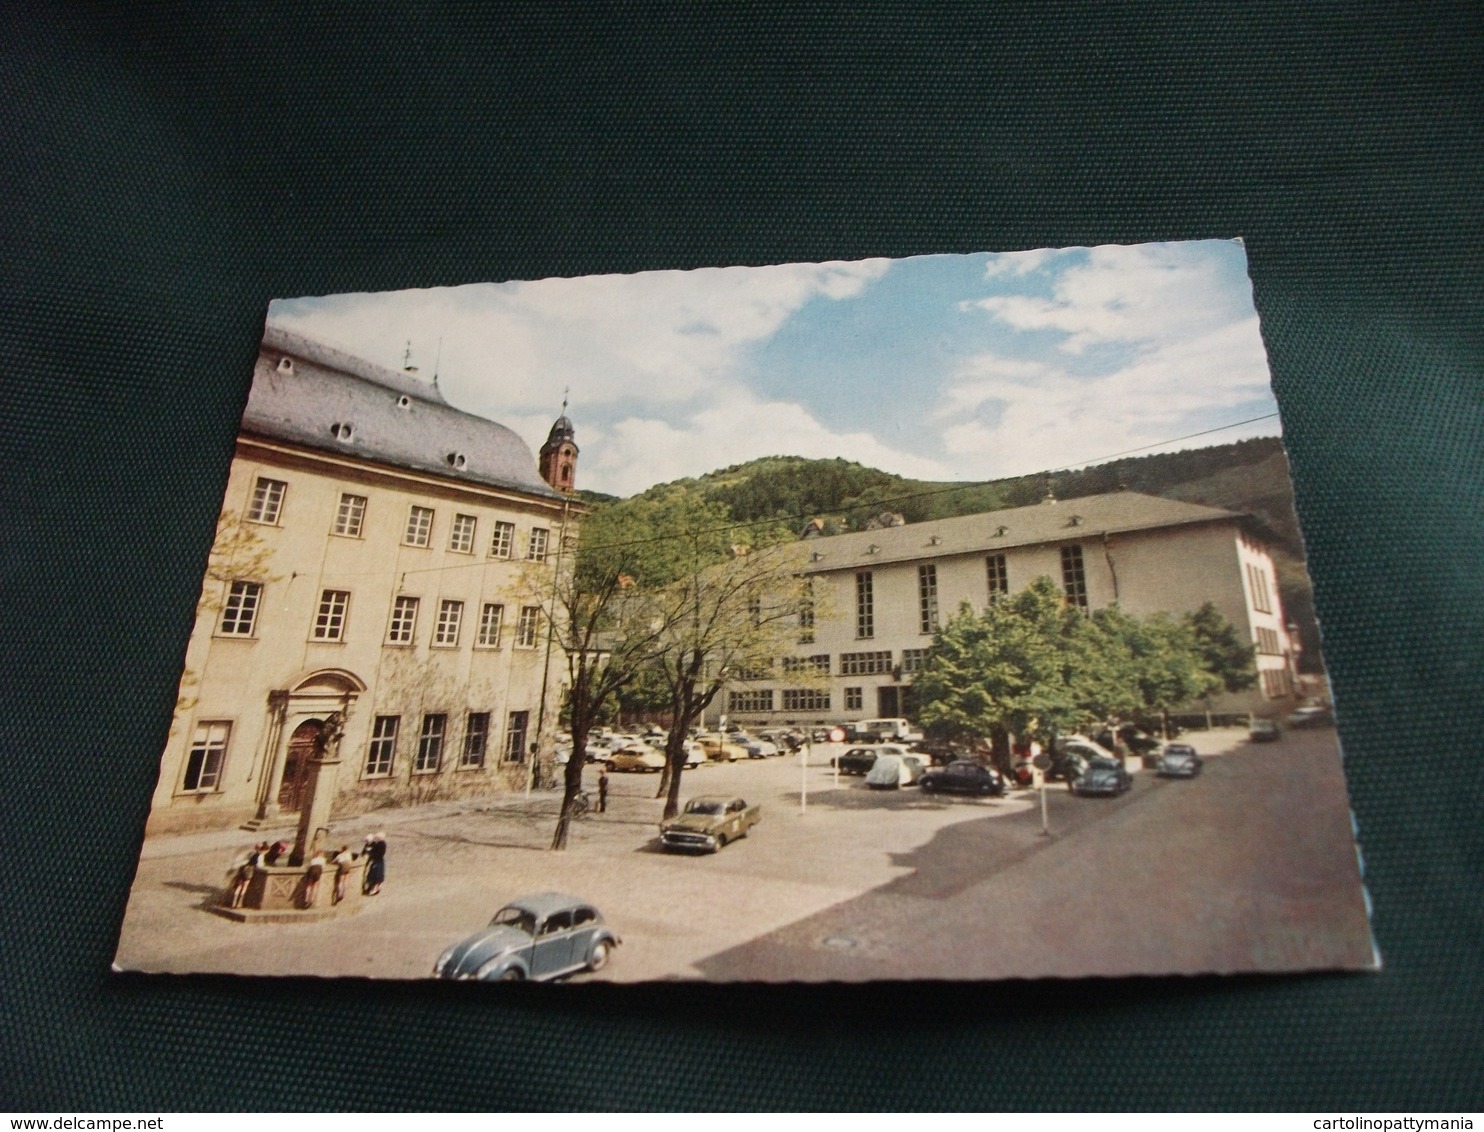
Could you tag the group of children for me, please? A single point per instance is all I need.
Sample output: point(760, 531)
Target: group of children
point(265, 854)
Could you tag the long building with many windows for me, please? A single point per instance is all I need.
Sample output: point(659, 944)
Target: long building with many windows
point(382, 555)
point(882, 593)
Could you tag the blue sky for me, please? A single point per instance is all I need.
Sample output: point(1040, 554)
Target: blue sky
point(951, 367)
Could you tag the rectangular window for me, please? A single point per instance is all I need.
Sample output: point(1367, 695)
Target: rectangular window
point(527, 626)
point(404, 621)
point(912, 659)
point(476, 739)
point(204, 763)
point(503, 540)
point(430, 743)
point(805, 699)
point(267, 501)
point(999, 577)
point(806, 621)
point(383, 750)
point(490, 618)
point(515, 736)
point(329, 622)
point(240, 613)
point(419, 526)
point(350, 516)
point(927, 599)
point(1261, 596)
point(864, 663)
point(865, 609)
point(854, 701)
point(450, 617)
point(461, 540)
point(1074, 577)
point(536, 547)
point(819, 664)
point(756, 670)
point(750, 701)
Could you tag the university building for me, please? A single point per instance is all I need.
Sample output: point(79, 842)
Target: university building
point(882, 593)
point(384, 556)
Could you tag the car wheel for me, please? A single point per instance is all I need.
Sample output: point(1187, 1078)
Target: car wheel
point(928, 787)
point(513, 975)
point(598, 959)
point(609, 766)
point(721, 841)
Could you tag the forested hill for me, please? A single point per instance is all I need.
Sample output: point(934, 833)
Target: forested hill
point(1249, 476)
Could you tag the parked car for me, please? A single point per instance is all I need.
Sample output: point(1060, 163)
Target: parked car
point(964, 777)
point(695, 754)
point(720, 748)
point(1264, 731)
point(540, 937)
point(891, 771)
point(708, 823)
point(859, 760)
point(1139, 742)
point(1102, 776)
point(1311, 715)
point(1072, 754)
point(1179, 760)
point(896, 729)
point(636, 757)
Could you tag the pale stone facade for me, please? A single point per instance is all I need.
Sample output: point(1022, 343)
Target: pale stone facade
point(383, 555)
point(882, 591)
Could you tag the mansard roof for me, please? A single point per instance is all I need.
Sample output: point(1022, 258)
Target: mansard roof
point(1054, 521)
point(311, 394)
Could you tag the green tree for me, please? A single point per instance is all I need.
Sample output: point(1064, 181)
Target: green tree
point(1223, 653)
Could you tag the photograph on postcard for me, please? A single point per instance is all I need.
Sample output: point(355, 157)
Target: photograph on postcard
point(935, 618)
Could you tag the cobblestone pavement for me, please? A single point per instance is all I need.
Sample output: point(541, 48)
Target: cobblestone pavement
point(450, 866)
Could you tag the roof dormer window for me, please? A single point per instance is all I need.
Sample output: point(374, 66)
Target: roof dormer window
point(457, 460)
point(342, 430)
point(286, 365)
point(404, 402)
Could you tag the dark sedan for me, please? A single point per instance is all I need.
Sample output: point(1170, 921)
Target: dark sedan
point(1104, 778)
point(1179, 760)
point(964, 777)
point(858, 760)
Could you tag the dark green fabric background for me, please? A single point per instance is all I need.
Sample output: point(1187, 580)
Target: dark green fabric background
point(169, 169)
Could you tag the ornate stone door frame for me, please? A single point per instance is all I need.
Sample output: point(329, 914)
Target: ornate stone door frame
point(311, 695)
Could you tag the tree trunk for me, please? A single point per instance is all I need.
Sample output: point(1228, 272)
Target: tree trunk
point(572, 780)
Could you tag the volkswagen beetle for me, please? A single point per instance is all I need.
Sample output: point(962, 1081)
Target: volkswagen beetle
point(540, 937)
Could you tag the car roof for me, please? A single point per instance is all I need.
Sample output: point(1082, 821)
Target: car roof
point(724, 799)
point(543, 904)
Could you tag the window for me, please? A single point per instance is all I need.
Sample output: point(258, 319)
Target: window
point(1267, 642)
point(404, 621)
point(913, 659)
point(536, 547)
point(750, 701)
point(490, 618)
point(864, 663)
point(927, 599)
point(999, 577)
point(430, 743)
point(461, 541)
point(1257, 580)
point(476, 739)
point(526, 627)
point(1074, 576)
point(329, 622)
point(450, 617)
point(806, 615)
point(865, 612)
point(515, 736)
point(267, 501)
point(350, 516)
point(805, 699)
point(240, 613)
point(383, 749)
point(503, 540)
point(203, 769)
point(756, 670)
point(854, 701)
point(819, 664)
point(419, 526)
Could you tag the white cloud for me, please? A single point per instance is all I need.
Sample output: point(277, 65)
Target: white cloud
point(1021, 263)
point(636, 452)
point(1146, 293)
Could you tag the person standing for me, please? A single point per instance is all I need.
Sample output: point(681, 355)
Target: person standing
point(603, 791)
point(342, 861)
point(312, 875)
point(376, 868)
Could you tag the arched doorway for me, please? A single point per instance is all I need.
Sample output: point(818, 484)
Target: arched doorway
point(296, 765)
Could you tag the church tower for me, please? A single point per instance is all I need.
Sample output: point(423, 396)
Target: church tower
point(559, 455)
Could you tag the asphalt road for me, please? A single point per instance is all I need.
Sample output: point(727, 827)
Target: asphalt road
point(1248, 867)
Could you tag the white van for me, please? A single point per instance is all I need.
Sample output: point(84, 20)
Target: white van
point(890, 730)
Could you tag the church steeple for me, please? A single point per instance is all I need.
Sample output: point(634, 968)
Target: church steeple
point(558, 463)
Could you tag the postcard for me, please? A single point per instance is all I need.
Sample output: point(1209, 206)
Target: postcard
point(934, 618)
